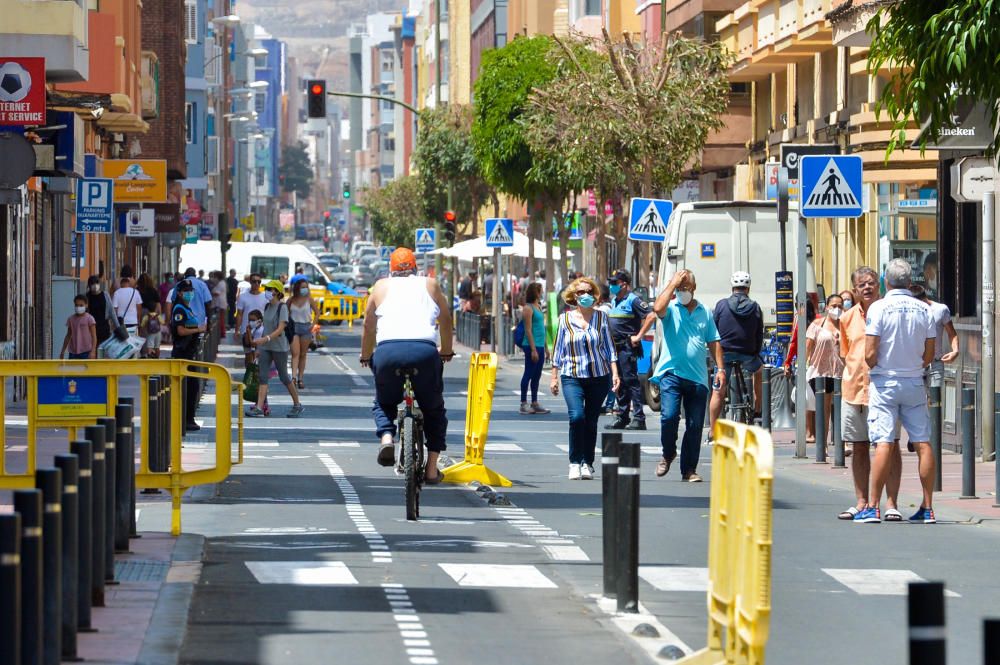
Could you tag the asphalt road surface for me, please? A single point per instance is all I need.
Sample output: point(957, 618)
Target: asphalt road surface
point(308, 557)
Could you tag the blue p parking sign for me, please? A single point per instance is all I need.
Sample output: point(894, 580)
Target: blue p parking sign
point(94, 205)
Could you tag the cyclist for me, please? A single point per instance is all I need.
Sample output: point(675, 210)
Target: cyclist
point(400, 332)
point(741, 328)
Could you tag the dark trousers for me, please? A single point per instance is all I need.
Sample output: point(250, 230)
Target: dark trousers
point(428, 388)
point(584, 398)
point(630, 391)
point(192, 389)
point(532, 373)
point(673, 392)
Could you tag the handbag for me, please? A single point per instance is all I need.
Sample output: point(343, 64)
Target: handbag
point(251, 382)
point(519, 333)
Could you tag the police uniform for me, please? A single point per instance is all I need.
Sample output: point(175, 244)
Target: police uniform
point(626, 318)
point(186, 348)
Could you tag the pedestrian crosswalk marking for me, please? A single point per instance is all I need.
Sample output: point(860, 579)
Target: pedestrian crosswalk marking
point(675, 578)
point(510, 576)
point(339, 444)
point(566, 553)
point(504, 448)
point(831, 190)
point(878, 581)
point(302, 573)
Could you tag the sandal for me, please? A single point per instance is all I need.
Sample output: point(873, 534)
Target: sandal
point(892, 515)
point(848, 514)
point(435, 480)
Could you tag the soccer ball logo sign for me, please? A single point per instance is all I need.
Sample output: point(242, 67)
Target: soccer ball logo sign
point(15, 82)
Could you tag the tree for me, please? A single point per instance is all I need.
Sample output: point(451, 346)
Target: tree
point(295, 171)
point(396, 210)
point(940, 52)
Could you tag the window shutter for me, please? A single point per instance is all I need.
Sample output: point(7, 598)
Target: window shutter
point(212, 149)
point(190, 21)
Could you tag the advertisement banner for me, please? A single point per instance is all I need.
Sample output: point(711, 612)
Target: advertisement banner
point(784, 305)
point(138, 180)
point(167, 217)
point(22, 91)
point(286, 219)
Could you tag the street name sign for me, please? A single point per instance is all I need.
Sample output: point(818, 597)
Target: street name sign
point(424, 241)
point(95, 205)
point(831, 186)
point(647, 219)
point(499, 232)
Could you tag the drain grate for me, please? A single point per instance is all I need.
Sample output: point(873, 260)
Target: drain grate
point(138, 570)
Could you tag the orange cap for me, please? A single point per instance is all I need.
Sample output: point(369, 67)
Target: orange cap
point(401, 259)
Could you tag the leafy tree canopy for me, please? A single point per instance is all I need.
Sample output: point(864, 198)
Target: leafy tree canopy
point(396, 210)
point(940, 52)
point(295, 170)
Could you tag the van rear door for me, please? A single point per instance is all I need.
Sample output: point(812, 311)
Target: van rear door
point(712, 250)
point(763, 243)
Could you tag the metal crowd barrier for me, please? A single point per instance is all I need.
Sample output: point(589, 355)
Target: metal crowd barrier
point(739, 547)
point(343, 308)
point(77, 394)
point(469, 329)
point(482, 381)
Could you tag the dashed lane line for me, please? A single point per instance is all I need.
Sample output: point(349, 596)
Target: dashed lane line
point(415, 640)
point(339, 363)
point(555, 546)
point(376, 543)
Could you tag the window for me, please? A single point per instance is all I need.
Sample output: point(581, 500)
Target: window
point(189, 122)
point(591, 7)
point(269, 266)
point(259, 102)
point(260, 177)
point(213, 58)
point(212, 155)
point(389, 144)
point(191, 21)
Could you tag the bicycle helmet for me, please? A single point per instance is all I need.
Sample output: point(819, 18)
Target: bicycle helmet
point(740, 279)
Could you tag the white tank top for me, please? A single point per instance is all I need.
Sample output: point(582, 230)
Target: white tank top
point(408, 311)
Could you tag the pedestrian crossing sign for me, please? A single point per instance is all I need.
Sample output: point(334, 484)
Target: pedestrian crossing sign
point(499, 232)
point(648, 219)
point(830, 186)
point(424, 241)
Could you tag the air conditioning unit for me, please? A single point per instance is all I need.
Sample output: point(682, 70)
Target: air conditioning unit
point(150, 81)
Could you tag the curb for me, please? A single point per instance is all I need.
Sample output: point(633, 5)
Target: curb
point(168, 625)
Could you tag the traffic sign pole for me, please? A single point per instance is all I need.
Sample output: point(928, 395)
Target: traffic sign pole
point(801, 385)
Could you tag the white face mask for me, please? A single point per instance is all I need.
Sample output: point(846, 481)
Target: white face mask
point(80, 309)
point(834, 313)
point(254, 325)
point(685, 297)
point(269, 296)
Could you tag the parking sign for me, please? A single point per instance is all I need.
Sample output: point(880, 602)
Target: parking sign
point(94, 205)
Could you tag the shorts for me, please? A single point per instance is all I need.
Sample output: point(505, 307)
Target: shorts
point(153, 340)
point(303, 330)
point(280, 361)
point(934, 375)
point(898, 400)
point(750, 363)
point(854, 423)
point(827, 383)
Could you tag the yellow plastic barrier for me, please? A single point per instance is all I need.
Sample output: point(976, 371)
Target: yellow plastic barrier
point(739, 547)
point(482, 381)
point(74, 393)
point(343, 308)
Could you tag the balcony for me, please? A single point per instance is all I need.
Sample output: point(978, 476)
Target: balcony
point(52, 29)
point(849, 20)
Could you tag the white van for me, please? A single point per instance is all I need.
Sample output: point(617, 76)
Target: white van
point(264, 258)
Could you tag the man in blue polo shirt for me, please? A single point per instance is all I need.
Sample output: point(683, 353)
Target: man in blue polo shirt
point(689, 333)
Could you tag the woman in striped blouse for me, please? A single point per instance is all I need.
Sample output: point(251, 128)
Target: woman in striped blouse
point(584, 357)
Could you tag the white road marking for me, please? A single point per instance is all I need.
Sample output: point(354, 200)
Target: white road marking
point(675, 578)
point(503, 448)
point(355, 510)
point(878, 581)
point(565, 553)
point(285, 529)
point(16, 449)
point(302, 573)
point(652, 450)
point(339, 444)
point(563, 447)
point(418, 647)
point(455, 542)
point(277, 456)
point(564, 550)
point(260, 444)
point(339, 363)
point(497, 575)
point(627, 623)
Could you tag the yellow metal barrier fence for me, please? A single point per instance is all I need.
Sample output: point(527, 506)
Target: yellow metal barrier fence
point(74, 393)
point(739, 547)
point(482, 381)
point(343, 308)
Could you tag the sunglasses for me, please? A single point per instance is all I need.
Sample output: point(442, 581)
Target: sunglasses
point(588, 292)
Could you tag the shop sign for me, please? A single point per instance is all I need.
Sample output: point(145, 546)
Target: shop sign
point(138, 180)
point(22, 91)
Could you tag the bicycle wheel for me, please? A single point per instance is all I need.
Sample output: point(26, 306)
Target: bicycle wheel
point(410, 469)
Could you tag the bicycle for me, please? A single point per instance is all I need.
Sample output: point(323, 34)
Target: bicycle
point(410, 462)
point(740, 403)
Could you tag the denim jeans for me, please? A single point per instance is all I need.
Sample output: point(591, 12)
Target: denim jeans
point(428, 388)
point(584, 398)
point(532, 373)
point(673, 391)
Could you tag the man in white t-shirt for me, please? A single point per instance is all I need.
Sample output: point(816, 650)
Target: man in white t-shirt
point(128, 305)
point(945, 339)
point(899, 344)
point(246, 303)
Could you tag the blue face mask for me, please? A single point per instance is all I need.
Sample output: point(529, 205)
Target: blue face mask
point(614, 289)
point(187, 296)
point(585, 300)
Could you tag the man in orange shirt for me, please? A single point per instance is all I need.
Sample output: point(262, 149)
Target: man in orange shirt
point(854, 408)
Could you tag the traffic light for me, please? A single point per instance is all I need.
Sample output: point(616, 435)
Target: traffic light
point(347, 190)
point(227, 242)
point(326, 215)
point(449, 226)
point(317, 98)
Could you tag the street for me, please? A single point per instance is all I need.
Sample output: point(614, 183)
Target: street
point(308, 557)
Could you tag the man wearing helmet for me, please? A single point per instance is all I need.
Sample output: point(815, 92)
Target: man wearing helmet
point(741, 327)
point(402, 320)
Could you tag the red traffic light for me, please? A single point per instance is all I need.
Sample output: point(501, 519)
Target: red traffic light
point(326, 214)
point(316, 89)
point(449, 216)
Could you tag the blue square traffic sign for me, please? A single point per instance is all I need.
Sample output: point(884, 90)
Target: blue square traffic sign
point(95, 205)
point(830, 186)
point(499, 232)
point(648, 218)
point(424, 240)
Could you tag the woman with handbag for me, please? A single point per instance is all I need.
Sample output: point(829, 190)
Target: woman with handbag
point(273, 346)
point(583, 357)
point(532, 342)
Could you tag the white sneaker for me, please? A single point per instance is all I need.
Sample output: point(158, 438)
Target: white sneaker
point(586, 472)
point(574, 472)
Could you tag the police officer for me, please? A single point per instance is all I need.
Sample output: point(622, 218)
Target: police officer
point(186, 330)
point(630, 318)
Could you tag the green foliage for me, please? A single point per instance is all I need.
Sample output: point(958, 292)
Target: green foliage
point(396, 210)
point(941, 52)
point(295, 170)
point(506, 78)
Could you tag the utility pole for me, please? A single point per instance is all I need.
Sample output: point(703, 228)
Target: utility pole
point(437, 104)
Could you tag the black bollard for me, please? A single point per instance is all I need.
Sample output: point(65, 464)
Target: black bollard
point(159, 436)
point(839, 459)
point(820, 420)
point(10, 588)
point(765, 399)
point(95, 434)
point(124, 473)
point(130, 491)
point(70, 467)
point(49, 481)
point(28, 503)
point(996, 449)
point(968, 443)
point(991, 641)
point(935, 413)
point(84, 451)
point(628, 527)
point(610, 443)
point(110, 492)
point(926, 618)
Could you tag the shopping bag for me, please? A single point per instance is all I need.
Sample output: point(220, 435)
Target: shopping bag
point(251, 383)
point(117, 349)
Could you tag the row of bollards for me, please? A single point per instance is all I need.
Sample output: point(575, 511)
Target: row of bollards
point(57, 548)
point(160, 424)
point(928, 629)
point(620, 520)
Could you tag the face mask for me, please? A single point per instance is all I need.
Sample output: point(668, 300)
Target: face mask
point(848, 304)
point(80, 309)
point(585, 300)
point(95, 288)
point(187, 296)
point(269, 296)
point(303, 290)
point(254, 325)
point(684, 297)
point(614, 289)
point(834, 313)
